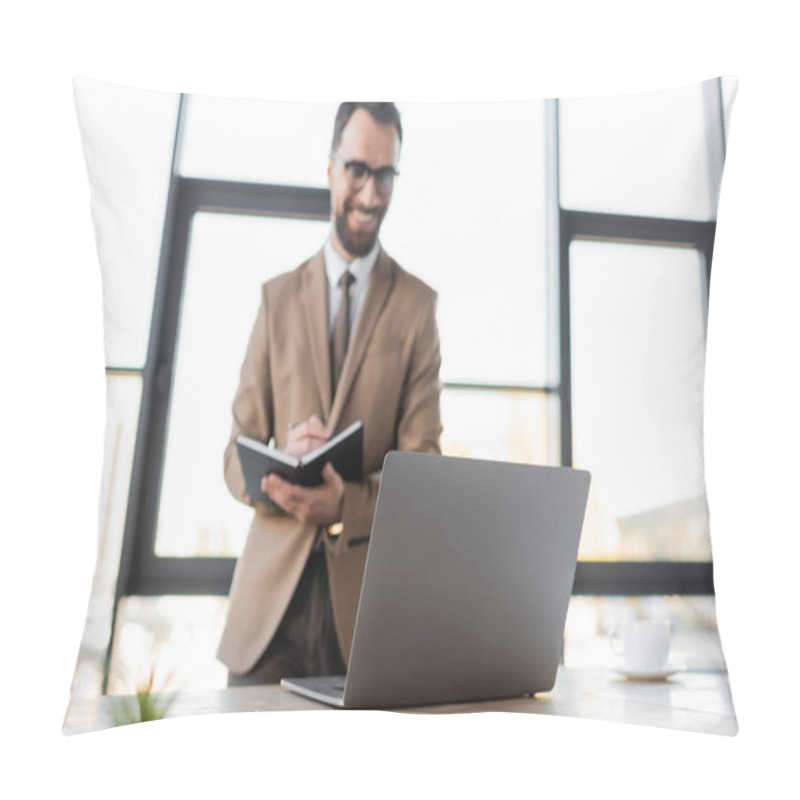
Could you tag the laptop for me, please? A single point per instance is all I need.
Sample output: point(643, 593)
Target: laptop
point(467, 581)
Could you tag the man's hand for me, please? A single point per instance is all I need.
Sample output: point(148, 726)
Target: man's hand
point(306, 436)
point(321, 505)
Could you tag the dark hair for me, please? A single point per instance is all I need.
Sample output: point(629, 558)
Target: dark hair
point(382, 113)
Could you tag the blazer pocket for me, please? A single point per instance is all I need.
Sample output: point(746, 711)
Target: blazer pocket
point(358, 541)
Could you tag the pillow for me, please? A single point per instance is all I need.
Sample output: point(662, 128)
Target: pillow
point(569, 243)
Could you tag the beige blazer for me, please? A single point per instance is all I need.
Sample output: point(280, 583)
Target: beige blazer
point(389, 381)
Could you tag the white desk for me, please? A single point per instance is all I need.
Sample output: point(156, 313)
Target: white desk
point(690, 701)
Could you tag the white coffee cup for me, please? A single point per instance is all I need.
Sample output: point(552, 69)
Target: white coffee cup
point(645, 644)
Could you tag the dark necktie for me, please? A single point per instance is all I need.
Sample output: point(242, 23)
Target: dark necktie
point(341, 330)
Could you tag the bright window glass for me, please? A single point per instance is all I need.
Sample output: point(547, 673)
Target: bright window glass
point(468, 217)
point(229, 258)
point(494, 425)
point(638, 352)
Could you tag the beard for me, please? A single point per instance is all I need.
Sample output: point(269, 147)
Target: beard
point(357, 243)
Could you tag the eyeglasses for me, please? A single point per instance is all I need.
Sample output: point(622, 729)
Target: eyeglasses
point(358, 174)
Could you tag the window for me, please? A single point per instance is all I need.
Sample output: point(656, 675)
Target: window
point(636, 408)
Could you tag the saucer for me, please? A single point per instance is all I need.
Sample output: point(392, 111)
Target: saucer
point(660, 674)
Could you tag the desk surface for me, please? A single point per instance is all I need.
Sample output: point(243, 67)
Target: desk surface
point(691, 701)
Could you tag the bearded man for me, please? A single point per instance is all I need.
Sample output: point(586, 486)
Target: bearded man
point(348, 335)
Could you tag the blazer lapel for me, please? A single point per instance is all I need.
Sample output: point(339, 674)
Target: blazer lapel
point(315, 307)
point(380, 284)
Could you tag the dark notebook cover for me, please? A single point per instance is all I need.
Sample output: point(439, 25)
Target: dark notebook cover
point(344, 451)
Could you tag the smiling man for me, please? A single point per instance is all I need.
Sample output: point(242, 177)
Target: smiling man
point(358, 205)
point(348, 335)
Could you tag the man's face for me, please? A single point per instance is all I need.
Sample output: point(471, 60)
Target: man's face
point(357, 214)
